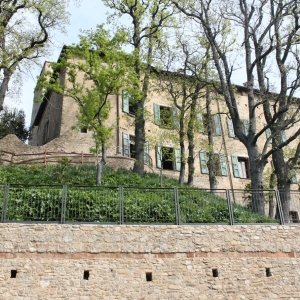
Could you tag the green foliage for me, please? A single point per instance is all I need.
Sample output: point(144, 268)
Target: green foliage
point(88, 203)
point(12, 121)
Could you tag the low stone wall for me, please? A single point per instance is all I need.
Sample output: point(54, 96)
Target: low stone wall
point(52, 261)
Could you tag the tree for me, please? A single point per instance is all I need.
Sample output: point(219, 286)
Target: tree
point(184, 92)
point(269, 35)
point(148, 18)
point(25, 34)
point(105, 69)
point(12, 121)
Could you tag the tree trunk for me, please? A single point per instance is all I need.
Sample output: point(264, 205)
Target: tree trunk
point(182, 149)
point(4, 86)
point(101, 164)
point(213, 183)
point(191, 136)
point(283, 179)
point(256, 172)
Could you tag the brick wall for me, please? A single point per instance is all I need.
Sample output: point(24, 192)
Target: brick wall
point(180, 262)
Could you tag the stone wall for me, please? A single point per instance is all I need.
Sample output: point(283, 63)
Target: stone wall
point(52, 261)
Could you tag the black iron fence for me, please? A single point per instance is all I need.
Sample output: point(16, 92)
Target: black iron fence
point(136, 205)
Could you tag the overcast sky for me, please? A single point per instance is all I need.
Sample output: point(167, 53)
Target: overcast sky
point(86, 16)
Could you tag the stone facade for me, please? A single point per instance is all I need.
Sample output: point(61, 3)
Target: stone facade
point(60, 115)
point(149, 262)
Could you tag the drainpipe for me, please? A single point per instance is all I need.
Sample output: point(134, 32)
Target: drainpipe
point(118, 125)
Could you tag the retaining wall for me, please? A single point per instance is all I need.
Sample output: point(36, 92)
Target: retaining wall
point(52, 261)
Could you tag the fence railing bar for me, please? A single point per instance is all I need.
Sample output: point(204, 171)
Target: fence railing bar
point(231, 217)
point(177, 208)
point(63, 204)
point(278, 200)
point(5, 201)
point(121, 193)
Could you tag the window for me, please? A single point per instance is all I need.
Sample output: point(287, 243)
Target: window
point(129, 147)
point(245, 128)
point(230, 127)
point(168, 158)
point(83, 130)
point(268, 133)
point(203, 120)
point(128, 105)
point(283, 137)
point(165, 116)
point(293, 176)
point(241, 167)
point(219, 163)
point(294, 217)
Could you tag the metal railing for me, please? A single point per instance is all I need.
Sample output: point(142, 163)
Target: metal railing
point(136, 205)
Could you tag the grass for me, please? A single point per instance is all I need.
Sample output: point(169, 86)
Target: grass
point(143, 199)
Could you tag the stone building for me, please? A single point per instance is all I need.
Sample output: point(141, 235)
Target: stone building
point(55, 116)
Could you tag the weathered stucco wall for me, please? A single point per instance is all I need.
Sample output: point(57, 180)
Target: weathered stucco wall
point(49, 262)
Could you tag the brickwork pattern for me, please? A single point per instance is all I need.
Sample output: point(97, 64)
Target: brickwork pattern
point(185, 262)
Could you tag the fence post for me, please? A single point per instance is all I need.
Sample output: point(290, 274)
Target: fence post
point(177, 209)
point(231, 217)
point(278, 200)
point(63, 205)
point(121, 194)
point(4, 206)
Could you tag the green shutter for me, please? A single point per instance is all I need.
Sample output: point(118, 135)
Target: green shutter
point(223, 165)
point(246, 126)
point(293, 176)
point(200, 124)
point(230, 127)
point(177, 159)
point(283, 137)
point(217, 122)
point(125, 99)
point(158, 157)
point(203, 162)
point(126, 144)
point(235, 166)
point(146, 153)
point(175, 117)
point(268, 133)
point(156, 114)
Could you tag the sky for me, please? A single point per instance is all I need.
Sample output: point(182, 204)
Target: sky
point(84, 16)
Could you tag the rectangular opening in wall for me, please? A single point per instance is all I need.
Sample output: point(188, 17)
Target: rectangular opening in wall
point(13, 273)
point(215, 272)
point(268, 272)
point(149, 276)
point(86, 275)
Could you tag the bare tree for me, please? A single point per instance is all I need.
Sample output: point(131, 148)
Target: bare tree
point(269, 32)
point(25, 30)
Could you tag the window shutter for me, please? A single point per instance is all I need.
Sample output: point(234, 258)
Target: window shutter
point(158, 157)
point(284, 138)
point(230, 128)
point(200, 124)
point(125, 99)
point(175, 117)
point(126, 144)
point(177, 159)
point(156, 114)
point(235, 166)
point(293, 176)
point(223, 165)
point(217, 122)
point(146, 153)
point(246, 126)
point(268, 133)
point(203, 162)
